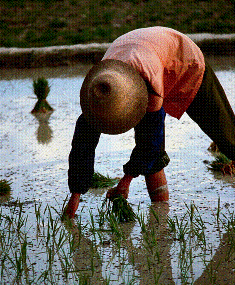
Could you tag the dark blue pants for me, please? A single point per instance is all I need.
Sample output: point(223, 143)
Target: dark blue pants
point(147, 157)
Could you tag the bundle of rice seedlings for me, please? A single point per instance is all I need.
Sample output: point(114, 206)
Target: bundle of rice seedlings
point(101, 181)
point(41, 89)
point(5, 187)
point(223, 164)
point(119, 207)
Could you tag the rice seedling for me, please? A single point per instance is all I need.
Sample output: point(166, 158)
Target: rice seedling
point(156, 217)
point(182, 226)
point(190, 226)
point(5, 187)
point(223, 164)
point(84, 279)
point(120, 208)
point(59, 244)
point(113, 224)
point(157, 276)
point(151, 244)
point(101, 181)
point(140, 218)
point(228, 223)
point(41, 89)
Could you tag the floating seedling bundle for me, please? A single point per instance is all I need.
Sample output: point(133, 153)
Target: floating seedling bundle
point(41, 89)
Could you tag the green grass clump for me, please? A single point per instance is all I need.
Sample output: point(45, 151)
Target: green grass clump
point(101, 181)
point(222, 163)
point(5, 187)
point(219, 161)
point(41, 89)
point(119, 207)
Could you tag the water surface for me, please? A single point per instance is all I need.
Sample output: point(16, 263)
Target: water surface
point(34, 156)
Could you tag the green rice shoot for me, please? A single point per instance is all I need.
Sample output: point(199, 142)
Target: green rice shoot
point(120, 208)
point(222, 163)
point(101, 181)
point(41, 89)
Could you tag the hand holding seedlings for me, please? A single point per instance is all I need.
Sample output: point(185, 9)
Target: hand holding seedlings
point(98, 181)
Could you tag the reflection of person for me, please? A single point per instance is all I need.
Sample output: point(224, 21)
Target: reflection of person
point(144, 74)
point(220, 270)
point(85, 255)
point(152, 258)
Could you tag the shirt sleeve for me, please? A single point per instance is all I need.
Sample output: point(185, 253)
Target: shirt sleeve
point(151, 69)
point(81, 157)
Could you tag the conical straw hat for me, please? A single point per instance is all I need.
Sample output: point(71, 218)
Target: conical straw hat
point(113, 97)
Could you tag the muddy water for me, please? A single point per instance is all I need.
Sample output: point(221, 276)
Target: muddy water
point(34, 154)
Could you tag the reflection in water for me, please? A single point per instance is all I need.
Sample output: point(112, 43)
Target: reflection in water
point(85, 255)
point(221, 269)
point(44, 132)
point(150, 259)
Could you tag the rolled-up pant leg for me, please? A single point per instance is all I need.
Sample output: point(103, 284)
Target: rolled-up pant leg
point(211, 110)
point(148, 156)
point(81, 157)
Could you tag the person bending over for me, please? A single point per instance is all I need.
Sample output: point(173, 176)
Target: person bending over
point(143, 75)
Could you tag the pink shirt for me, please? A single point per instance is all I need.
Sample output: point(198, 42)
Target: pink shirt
point(170, 61)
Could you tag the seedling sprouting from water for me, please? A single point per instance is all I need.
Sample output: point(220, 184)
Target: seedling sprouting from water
point(41, 89)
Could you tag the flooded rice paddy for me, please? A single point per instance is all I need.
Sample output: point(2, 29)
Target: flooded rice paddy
point(180, 248)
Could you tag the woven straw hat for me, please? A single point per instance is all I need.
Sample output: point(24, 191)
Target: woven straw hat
point(113, 97)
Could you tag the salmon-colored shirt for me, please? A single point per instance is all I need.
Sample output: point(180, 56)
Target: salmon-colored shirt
point(170, 61)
